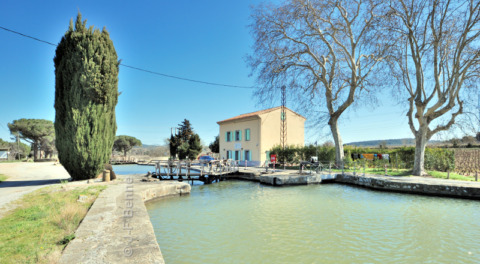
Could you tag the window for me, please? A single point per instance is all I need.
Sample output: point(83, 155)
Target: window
point(237, 155)
point(247, 134)
point(247, 155)
point(238, 135)
point(229, 154)
point(228, 136)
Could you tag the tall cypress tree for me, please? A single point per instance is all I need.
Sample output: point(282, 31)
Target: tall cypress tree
point(86, 93)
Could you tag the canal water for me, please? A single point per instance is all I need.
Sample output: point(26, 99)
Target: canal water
point(133, 169)
point(129, 169)
point(245, 222)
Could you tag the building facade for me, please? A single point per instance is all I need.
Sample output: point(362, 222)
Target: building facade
point(249, 137)
point(4, 153)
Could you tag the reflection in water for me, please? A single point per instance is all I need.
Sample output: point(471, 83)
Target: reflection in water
point(244, 222)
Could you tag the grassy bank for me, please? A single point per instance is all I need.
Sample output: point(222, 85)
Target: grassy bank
point(43, 224)
point(453, 176)
point(3, 177)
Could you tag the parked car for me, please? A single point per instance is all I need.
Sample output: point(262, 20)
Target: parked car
point(205, 159)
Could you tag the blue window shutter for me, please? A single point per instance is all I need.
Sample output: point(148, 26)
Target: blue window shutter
point(226, 136)
point(240, 135)
point(247, 134)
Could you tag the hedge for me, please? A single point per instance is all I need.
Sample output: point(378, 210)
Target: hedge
point(439, 159)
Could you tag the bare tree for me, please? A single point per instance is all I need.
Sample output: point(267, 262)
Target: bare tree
point(435, 61)
point(321, 49)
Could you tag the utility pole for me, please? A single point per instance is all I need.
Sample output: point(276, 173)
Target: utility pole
point(283, 126)
point(478, 131)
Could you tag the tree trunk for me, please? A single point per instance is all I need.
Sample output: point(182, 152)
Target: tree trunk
point(35, 151)
point(420, 143)
point(337, 139)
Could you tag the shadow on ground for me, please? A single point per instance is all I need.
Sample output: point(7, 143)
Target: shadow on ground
point(7, 184)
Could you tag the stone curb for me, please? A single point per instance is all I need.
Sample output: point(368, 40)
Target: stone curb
point(415, 185)
point(117, 228)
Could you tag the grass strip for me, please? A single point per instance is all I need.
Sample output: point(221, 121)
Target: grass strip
point(3, 177)
point(453, 176)
point(399, 172)
point(43, 223)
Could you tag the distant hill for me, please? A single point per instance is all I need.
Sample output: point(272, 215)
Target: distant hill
point(389, 142)
point(147, 146)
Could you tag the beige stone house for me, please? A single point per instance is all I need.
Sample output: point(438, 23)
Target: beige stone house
point(249, 137)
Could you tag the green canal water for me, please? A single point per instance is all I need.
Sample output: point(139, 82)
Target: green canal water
point(245, 222)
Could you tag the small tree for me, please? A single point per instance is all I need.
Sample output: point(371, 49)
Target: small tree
point(32, 131)
point(185, 143)
point(173, 144)
point(195, 146)
point(125, 144)
point(86, 93)
point(183, 150)
point(215, 145)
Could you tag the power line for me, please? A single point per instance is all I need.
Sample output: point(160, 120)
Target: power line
point(27, 36)
point(140, 69)
point(187, 79)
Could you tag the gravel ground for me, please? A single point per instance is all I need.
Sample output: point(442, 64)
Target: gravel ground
point(25, 177)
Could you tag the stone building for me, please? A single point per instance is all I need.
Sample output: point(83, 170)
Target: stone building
point(249, 137)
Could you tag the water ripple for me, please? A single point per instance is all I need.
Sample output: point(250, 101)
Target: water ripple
point(243, 222)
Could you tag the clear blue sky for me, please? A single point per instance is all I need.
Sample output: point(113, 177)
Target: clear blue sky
point(203, 40)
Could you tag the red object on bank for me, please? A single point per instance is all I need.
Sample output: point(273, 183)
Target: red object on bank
point(273, 158)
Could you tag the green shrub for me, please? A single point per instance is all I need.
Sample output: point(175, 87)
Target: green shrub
point(439, 159)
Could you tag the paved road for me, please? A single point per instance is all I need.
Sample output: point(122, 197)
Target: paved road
point(26, 177)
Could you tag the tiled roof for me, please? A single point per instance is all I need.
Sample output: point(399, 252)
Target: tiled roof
point(257, 113)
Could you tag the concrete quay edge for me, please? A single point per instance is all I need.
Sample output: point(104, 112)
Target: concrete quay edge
point(412, 184)
point(117, 228)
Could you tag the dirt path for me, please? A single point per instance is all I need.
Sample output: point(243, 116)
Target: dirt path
point(26, 177)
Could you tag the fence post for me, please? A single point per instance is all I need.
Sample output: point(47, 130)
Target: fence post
point(385, 169)
point(354, 169)
point(106, 175)
point(476, 176)
point(396, 160)
point(448, 174)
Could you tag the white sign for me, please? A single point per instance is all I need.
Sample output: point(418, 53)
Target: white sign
point(238, 145)
point(3, 154)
